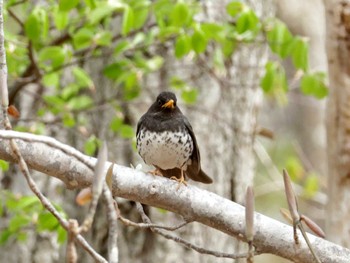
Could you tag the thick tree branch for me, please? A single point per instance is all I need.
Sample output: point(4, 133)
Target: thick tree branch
point(56, 159)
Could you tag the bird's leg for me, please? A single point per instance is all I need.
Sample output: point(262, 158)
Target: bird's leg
point(180, 180)
point(155, 172)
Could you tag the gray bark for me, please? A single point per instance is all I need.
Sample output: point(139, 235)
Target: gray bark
point(192, 203)
point(338, 35)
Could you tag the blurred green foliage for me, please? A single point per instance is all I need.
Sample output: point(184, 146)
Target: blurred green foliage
point(24, 213)
point(46, 39)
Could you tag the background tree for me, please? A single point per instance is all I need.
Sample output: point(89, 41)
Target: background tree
point(84, 76)
point(338, 120)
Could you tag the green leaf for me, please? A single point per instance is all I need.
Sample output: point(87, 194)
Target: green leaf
point(52, 55)
point(102, 11)
point(177, 83)
point(70, 91)
point(91, 3)
point(280, 39)
point(182, 46)
point(54, 101)
point(131, 86)
point(46, 222)
point(311, 185)
point(189, 96)
point(128, 20)
point(314, 84)
point(295, 168)
point(121, 47)
point(247, 21)
point(103, 38)
point(116, 124)
point(68, 120)
point(80, 102)
point(115, 70)
point(37, 25)
point(234, 8)
point(90, 145)
point(214, 31)
point(300, 54)
point(60, 19)
point(199, 41)
point(180, 14)
point(141, 12)
point(154, 63)
point(18, 221)
point(67, 5)
point(4, 166)
point(26, 202)
point(83, 38)
point(228, 46)
point(5, 235)
point(126, 131)
point(61, 235)
point(51, 80)
point(274, 79)
point(82, 78)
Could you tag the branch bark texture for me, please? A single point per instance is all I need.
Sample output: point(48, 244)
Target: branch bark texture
point(55, 159)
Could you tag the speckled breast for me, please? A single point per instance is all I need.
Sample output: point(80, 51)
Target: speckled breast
point(166, 150)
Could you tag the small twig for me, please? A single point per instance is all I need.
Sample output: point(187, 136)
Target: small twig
point(21, 162)
point(294, 212)
point(112, 216)
point(128, 222)
point(302, 230)
point(292, 204)
point(249, 219)
point(97, 186)
point(71, 254)
point(15, 17)
point(185, 243)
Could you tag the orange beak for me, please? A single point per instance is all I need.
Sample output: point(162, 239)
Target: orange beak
point(169, 104)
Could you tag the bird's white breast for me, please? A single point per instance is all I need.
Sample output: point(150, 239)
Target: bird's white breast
point(165, 150)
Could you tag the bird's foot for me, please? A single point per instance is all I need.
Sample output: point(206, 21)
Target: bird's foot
point(155, 172)
point(180, 180)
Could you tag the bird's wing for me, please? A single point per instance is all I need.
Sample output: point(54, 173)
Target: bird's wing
point(196, 158)
point(194, 170)
point(139, 124)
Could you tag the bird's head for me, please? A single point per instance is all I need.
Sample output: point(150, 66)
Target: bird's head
point(166, 101)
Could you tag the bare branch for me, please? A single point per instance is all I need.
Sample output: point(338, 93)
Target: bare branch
point(185, 243)
point(249, 221)
point(128, 222)
point(71, 254)
point(193, 203)
point(97, 186)
point(113, 252)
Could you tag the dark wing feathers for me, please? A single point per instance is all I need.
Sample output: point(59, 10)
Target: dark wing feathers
point(194, 170)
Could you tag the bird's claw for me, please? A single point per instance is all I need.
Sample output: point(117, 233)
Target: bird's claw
point(180, 180)
point(155, 172)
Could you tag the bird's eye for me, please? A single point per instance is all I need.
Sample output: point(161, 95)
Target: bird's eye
point(160, 103)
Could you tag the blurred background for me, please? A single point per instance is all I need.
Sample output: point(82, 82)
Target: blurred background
point(250, 76)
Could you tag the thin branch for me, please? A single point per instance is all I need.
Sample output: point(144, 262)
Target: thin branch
point(16, 152)
point(112, 216)
point(71, 254)
point(128, 222)
point(15, 17)
point(191, 202)
point(97, 186)
point(185, 243)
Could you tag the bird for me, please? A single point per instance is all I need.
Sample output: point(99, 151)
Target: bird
point(165, 139)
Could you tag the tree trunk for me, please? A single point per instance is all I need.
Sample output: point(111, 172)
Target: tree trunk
point(338, 121)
